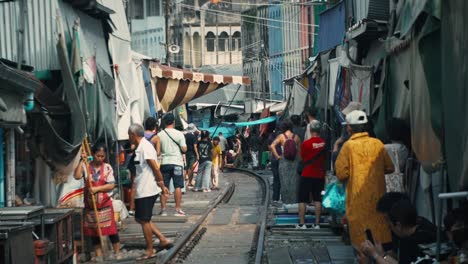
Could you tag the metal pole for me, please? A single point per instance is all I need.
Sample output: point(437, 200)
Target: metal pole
point(439, 217)
point(10, 140)
point(453, 195)
point(202, 31)
point(23, 7)
point(232, 100)
point(2, 171)
point(168, 33)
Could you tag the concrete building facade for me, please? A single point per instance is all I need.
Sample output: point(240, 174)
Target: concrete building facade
point(287, 33)
point(147, 27)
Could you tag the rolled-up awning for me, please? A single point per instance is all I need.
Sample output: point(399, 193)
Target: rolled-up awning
point(176, 87)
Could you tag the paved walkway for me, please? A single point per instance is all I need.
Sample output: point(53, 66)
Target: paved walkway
point(194, 205)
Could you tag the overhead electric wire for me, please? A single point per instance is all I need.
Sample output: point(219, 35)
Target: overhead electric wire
point(247, 16)
point(265, 25)
point(275, 4)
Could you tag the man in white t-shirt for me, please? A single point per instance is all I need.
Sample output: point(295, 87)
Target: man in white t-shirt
point(173, 146)
point(148, 184)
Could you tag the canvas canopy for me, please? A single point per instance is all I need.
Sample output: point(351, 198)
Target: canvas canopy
point(176, 87)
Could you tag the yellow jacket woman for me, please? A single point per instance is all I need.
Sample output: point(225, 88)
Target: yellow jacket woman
point(362, 164)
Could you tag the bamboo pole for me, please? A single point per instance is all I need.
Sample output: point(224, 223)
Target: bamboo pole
point(101, 238)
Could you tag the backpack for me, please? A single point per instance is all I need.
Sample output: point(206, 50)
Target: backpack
point(290, 148)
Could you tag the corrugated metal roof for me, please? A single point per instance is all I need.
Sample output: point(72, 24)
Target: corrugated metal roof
point(39, 50)
point(332, 27)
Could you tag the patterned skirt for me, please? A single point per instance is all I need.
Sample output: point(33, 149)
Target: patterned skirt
point(289, 180)
point(106, 221)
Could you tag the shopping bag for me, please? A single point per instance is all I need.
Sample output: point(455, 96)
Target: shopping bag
point(334, 199)
point(394, 181)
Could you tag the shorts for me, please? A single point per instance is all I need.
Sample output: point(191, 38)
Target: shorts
point(309, 186)
point(144, 208)
point(174, 172)
point(191, 159)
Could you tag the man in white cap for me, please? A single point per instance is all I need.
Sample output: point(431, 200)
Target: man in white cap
point(352, 106)
point(362, 164)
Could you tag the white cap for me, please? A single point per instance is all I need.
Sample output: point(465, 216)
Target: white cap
point(356, 117)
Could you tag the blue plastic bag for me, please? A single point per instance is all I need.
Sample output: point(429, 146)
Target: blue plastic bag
point(334, 199)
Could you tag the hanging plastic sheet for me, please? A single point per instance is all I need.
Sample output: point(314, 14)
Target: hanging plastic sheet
point(323, 81)
point(398, 84)
point(409, 14)
point(342, 91)
point(297, 99)
point(100, 98)
point(63, 139)
point(334, 65)
point(360, 85)
point(425, 143)
point(454, 93)
point(148, 88)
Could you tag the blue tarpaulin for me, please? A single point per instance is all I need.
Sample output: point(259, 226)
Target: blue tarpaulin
point(253, 123)
point(332, 27)
point(228, 131)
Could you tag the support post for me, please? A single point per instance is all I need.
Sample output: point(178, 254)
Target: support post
point(10, 175)
point(168, 33)
point(2, 171)
point(203, 37)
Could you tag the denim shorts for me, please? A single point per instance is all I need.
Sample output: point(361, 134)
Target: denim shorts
point(174, 172)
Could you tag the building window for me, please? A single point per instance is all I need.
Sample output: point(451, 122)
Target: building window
point(223, 41)
point(236, 41)
point(153, 8)
point(138, 12)
point(210, 41)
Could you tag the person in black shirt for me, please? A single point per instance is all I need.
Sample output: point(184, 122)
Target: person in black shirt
point(205, 162)
point(410, 231)
point(191, 156)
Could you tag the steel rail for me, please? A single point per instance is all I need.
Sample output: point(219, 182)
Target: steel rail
point(181, 242)
point(264, 216)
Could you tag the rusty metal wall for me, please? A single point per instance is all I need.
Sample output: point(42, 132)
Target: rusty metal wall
point(39, 47)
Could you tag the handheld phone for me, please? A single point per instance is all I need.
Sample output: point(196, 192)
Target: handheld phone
point(369, 236)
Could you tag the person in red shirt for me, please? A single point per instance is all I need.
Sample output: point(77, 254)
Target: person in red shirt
point(312, 179)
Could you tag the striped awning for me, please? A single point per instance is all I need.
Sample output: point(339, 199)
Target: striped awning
point(176, 87)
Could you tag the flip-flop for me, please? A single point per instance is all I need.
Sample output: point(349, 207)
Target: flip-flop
point(146, 257)
point(166, 247)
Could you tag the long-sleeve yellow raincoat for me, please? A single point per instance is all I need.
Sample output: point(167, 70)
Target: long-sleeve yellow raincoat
point(362, 164)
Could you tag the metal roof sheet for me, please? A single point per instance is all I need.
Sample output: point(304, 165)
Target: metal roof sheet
point(332, 27)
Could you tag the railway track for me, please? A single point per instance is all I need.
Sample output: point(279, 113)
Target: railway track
point(232, 228)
